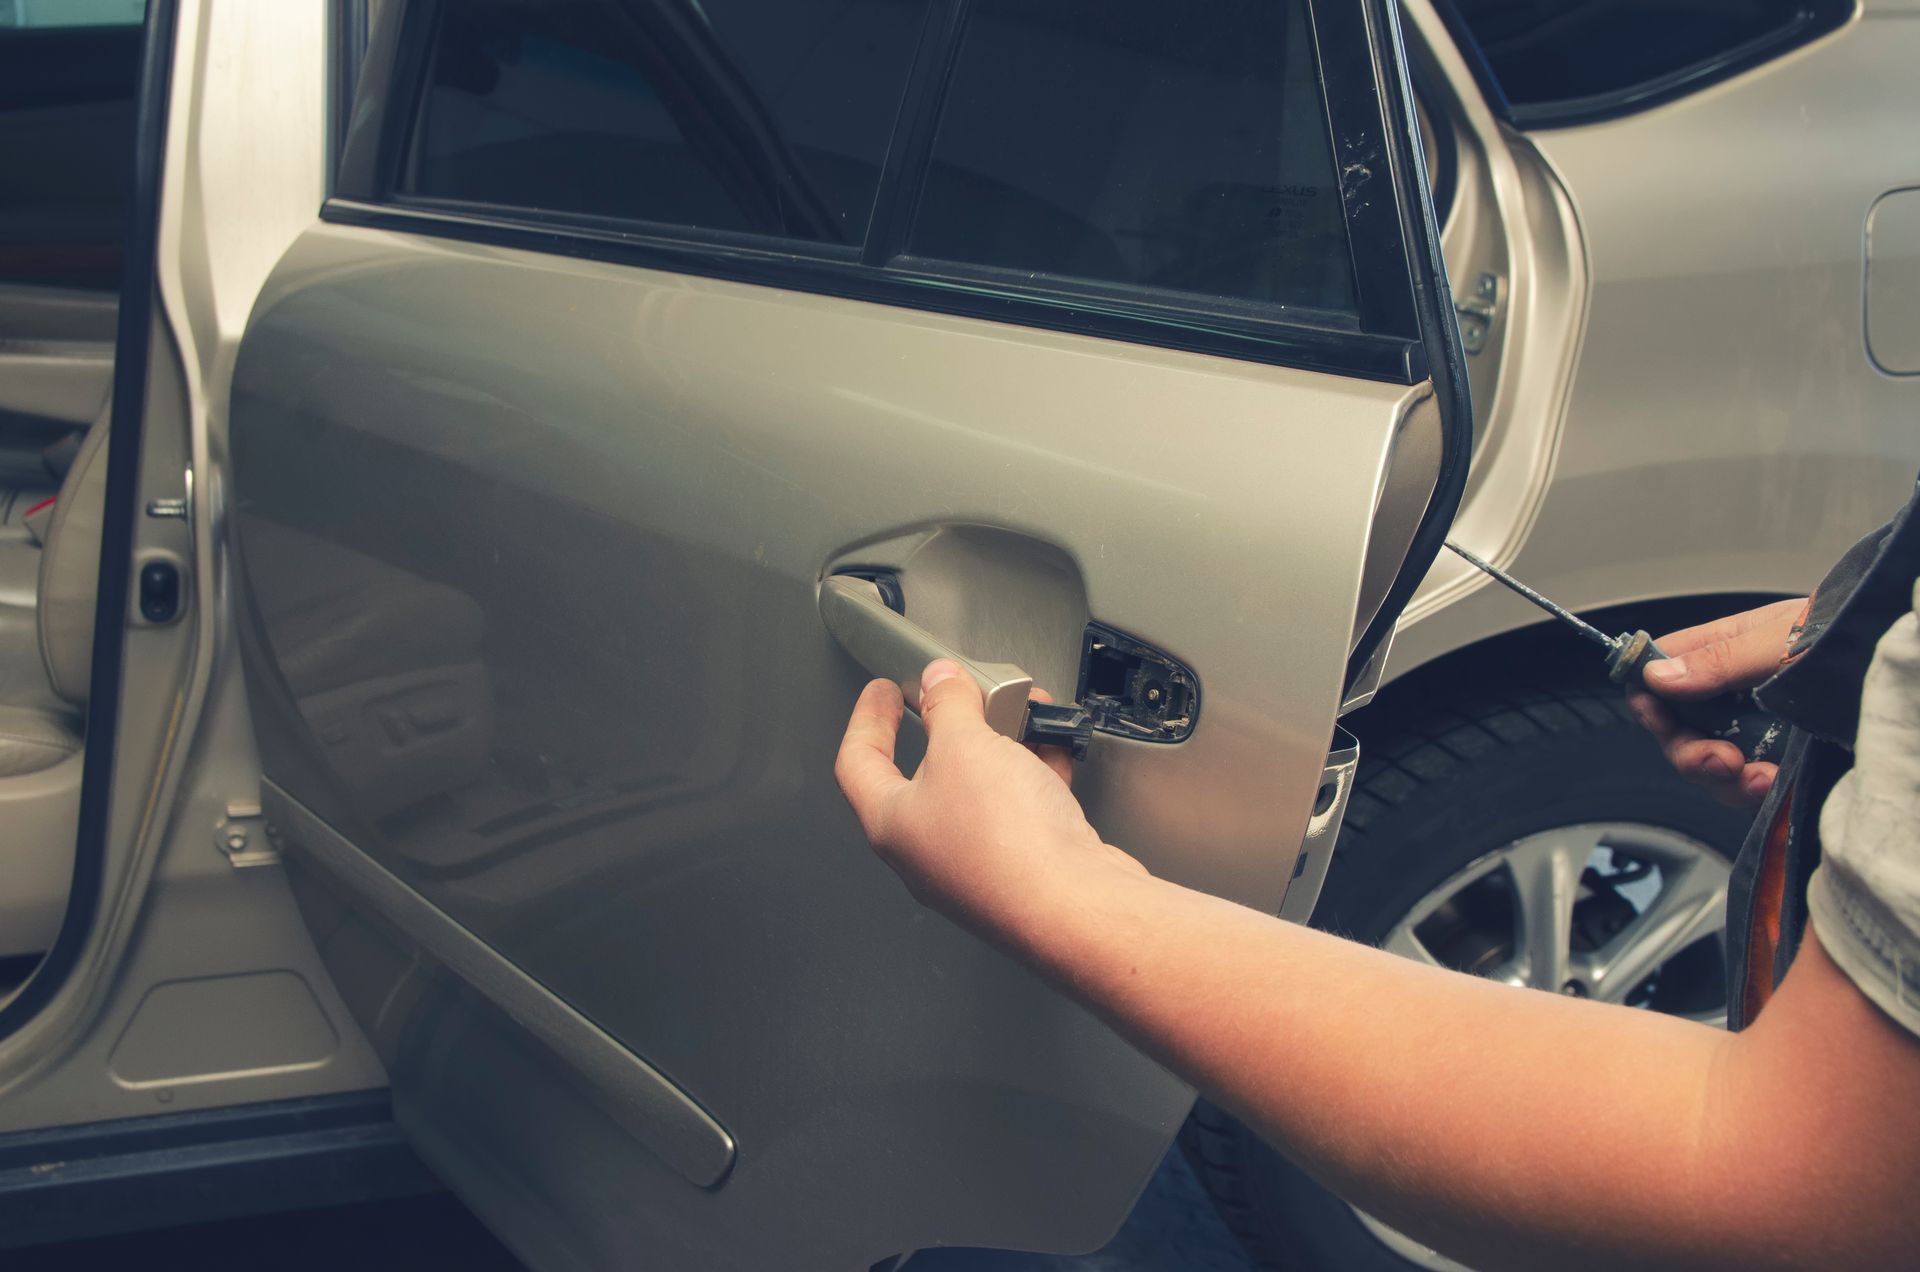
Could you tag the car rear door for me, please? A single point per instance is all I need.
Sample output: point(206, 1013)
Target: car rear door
point(1107, 336)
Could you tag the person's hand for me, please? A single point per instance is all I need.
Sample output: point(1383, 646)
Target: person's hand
point(1729, 654)
point(987, 828)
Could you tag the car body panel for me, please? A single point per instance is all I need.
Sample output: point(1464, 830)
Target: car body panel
point(1725, 430)
point(638, 479)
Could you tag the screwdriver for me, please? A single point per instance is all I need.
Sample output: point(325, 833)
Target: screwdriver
point(1731, 717)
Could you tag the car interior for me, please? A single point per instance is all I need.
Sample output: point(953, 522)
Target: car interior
point(66, 143)
point(412, 718)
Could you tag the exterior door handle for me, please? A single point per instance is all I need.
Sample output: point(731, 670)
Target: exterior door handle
point(892, 647)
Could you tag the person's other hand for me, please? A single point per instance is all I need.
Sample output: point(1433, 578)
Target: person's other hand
point(987, 826)
point(1730, 654)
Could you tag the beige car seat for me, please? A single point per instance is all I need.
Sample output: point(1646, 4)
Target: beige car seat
point(46, 656)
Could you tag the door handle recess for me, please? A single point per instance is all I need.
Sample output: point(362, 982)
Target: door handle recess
point(895, 648)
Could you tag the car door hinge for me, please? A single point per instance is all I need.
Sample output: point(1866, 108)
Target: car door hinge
point(1478, 311)
point(243, 834)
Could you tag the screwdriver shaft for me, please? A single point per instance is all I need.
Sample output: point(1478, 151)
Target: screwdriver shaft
point(1566, 616)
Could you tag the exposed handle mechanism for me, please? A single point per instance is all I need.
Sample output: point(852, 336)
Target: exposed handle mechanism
point(894, 648)
point(1323, 827)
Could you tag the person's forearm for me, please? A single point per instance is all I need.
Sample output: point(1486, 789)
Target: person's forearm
point(1503, 1126)
point(1512, 1128)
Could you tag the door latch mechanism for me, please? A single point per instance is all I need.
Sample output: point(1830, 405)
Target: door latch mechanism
point(1478, 312)
point(243, 834)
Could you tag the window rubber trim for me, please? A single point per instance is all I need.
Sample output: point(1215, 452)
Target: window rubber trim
point(1815, 19)
point(1385, 348)
point(1439, 328)
point(132, 351)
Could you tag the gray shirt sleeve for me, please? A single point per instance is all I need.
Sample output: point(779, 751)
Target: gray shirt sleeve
point(1865, 896)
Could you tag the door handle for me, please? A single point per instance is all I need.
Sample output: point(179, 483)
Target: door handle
point(893, 647)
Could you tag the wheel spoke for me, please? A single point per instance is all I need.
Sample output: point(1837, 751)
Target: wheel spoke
point(1692, 904)
point(1546, 882)
point(1403, 942)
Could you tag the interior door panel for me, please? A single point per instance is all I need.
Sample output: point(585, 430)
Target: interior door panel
point(638, 480)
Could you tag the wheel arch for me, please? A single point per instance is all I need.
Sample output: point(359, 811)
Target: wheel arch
point(1535, 653)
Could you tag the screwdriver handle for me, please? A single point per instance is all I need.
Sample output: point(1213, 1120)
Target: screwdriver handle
point(1731, 717)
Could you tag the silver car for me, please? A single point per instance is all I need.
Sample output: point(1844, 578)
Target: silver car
point(536, 420)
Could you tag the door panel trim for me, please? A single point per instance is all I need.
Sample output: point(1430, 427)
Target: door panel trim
point(656, 1112)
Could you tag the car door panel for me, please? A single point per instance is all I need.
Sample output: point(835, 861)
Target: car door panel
point(536, 499)
point(639, 480)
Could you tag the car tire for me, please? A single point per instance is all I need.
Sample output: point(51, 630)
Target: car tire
point(1447, 785)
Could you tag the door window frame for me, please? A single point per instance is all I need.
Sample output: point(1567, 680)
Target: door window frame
point(1383, 343)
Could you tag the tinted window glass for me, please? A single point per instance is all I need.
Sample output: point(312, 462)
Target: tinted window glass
point(1551, 52)
point(730, 115)
point(68, 75)
point(54, 14)
point(1173, 146)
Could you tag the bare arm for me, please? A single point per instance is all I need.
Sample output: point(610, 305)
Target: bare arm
point(1509, 1128)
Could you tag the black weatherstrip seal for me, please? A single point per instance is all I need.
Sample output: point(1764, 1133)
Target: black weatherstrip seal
point(131, 351)
point(1433, 310)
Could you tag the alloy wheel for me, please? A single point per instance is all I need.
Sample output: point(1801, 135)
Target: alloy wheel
point(1623, 912)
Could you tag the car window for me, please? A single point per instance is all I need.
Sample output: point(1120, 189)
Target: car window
point(728, 115)
point(1176, 147)
point(55, 14)
point(68, 73)
point(1553, 59)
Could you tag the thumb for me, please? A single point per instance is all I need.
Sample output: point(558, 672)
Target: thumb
point(1740, 661)
point(949, 700)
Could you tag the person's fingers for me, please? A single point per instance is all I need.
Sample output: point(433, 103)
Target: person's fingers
point(949, 700)
point(1739, 662)
point(1709, 761)
point(1650, 714)
point(864, 767)
point(1777, 618)
point(1057, 758)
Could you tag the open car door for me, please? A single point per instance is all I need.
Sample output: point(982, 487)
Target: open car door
point(1104, 340)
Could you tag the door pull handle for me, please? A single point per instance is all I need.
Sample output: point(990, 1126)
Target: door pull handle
point(893, 647)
